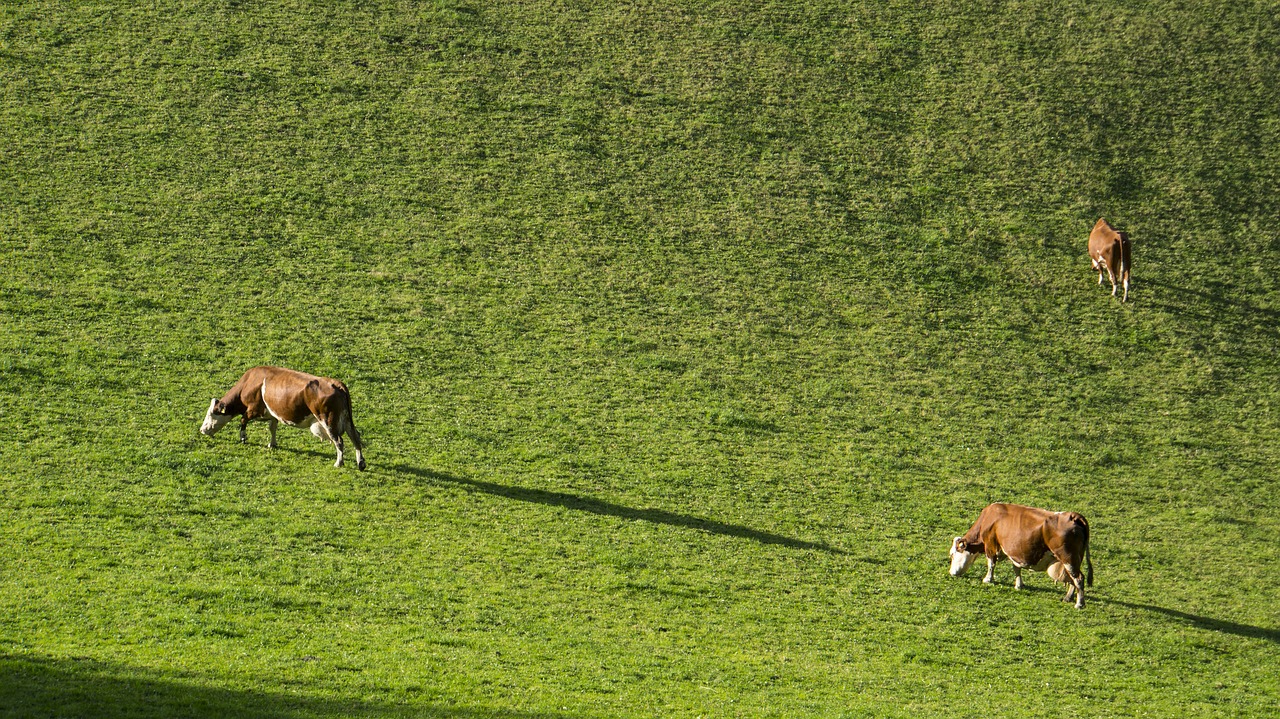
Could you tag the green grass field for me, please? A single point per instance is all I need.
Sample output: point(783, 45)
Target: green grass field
point(683, 337)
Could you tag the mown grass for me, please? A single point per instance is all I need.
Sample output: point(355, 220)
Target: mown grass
point(684, 337)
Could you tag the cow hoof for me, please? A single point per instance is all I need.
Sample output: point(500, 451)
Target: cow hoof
point(272, 445)
point(361, 465)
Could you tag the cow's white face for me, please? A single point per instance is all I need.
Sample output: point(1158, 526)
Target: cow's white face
point(960, 557)
point(213, 419)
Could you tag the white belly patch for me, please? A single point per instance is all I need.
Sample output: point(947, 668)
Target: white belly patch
point(1039, 566)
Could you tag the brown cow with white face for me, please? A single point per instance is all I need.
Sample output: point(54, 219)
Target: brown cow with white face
point(1109, 251)
point(1056, 542)
point(276, 394)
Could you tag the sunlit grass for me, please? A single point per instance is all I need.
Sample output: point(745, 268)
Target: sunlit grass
point(683, 338)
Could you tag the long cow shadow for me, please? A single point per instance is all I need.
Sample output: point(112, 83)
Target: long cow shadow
point(1206, 623)
point(609, 509)
point(38, 687)
point(1209, 623)
point(1235, 306)
point(1190, 301)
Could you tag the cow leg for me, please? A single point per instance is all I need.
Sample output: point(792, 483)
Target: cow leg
point(1017, 577)
point(332, 432)
point(355, 439)
point(244, 422)
point(1075, 586)
point(272, 424)
point(337, 444)
point(991, 570)
point(1077, 579)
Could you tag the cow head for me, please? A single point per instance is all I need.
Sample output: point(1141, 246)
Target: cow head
point(215, 418)
point(962, 555)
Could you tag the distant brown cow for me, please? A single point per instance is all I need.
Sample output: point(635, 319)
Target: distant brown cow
point(1031, 539)
point(1109, 250)
point(276, 394)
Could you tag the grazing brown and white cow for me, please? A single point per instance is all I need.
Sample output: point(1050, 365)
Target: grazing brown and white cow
point(1056, 542)
point(1109, 250)
point(276, 394)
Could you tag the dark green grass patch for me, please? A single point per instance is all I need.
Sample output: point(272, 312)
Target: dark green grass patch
point(683, 338)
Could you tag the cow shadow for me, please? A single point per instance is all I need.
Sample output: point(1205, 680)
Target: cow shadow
point(330, 455)
point(1186, 301)
point(1232, 330)
point(1195, 620)
point(610, 509)
point(37, 687)
point(1251, 330)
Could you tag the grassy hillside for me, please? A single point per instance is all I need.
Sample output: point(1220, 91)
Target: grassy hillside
point(684, 338)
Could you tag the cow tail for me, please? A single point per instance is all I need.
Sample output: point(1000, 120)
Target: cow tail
point(348, 417)
point(1088, 557)
point(1088, 562)
point(349, 421)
